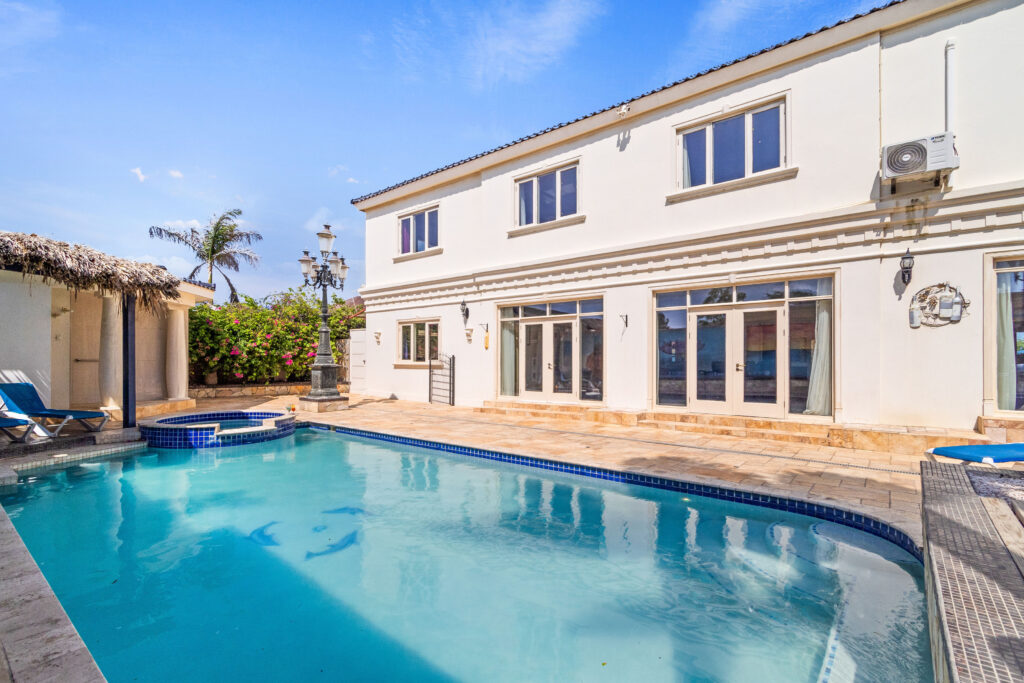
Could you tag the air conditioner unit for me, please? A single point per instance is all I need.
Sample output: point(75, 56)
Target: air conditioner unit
point(919, 158)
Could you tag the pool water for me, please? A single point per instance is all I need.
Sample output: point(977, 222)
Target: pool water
point(334, 557)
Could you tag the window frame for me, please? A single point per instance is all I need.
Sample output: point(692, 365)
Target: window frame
point(411, 325)
point(534, 177)
point(786, 169)
point(707, 125)
point(788, 275)
point(411, 217)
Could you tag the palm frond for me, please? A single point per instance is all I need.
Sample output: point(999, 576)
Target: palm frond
point(233, 297)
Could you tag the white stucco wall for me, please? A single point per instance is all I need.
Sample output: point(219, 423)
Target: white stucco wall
point(844, 103)
point(25, 306)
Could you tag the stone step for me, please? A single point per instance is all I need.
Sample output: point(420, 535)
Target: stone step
point(743, 432)
point(881, 438)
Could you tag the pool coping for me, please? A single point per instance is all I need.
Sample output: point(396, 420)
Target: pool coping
point(739, 494)
point(975, 588)
point(36, 633)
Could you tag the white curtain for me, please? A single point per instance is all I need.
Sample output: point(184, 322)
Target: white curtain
point(509, 355)
point(686, 166)
point(819, 389)
point(1006, 344)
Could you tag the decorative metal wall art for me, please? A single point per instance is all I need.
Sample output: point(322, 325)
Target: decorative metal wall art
point(937, 305)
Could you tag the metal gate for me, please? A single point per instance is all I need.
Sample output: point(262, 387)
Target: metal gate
point(442, 379)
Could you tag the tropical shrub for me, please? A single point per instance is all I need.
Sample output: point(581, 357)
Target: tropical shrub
point(259, 341)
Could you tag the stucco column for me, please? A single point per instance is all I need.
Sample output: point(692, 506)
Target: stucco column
point(110, 353)
point(176, 352)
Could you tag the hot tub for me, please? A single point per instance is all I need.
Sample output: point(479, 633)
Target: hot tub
point(216, 430)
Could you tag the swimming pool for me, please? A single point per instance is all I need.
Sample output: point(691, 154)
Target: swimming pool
point(330, 556)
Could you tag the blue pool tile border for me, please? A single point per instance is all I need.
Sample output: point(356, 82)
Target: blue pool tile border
point(174, 432)
point(825, 512)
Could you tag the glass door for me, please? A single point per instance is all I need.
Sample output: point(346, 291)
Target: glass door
point(709, 358)
point(757, 371)
point(549, 372)
point(734, 361)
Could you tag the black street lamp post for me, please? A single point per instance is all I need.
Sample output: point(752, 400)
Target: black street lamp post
point(323, 393)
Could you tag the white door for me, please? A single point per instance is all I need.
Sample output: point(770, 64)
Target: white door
point(737, 361)
point(548, 351)
point(357, 361)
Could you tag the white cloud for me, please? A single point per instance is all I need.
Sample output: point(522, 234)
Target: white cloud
point(176, 174)
point(175, 264)
point(318, 219)
point(335, 170)
point(717, 28)
point(21, 24)
point(184, 225)
point(138, 174)
point(351, 180)
point(513, 42)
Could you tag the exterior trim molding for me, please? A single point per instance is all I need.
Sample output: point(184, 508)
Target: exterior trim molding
point(740, 183)
point(550, 225)
point(436, 251)
point(860, 232)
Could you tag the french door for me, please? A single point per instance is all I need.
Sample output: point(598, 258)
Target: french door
point(547, 369)
point(735, 361)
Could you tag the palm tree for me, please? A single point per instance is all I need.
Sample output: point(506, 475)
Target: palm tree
point(216, 247)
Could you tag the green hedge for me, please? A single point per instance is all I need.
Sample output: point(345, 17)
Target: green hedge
point(255, 342)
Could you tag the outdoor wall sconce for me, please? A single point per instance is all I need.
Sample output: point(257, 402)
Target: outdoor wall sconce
point(906, 267)
point(465, 312)
point(376, 336)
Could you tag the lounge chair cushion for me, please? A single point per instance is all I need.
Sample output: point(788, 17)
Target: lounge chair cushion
point(22, 397)
point(8, 422)
point(997, 452)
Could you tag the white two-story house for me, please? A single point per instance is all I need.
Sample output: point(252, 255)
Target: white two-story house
point(752, 241)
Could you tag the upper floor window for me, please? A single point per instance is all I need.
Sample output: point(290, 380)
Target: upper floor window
point(734, 147)
point(418, 231)
point(548, 196)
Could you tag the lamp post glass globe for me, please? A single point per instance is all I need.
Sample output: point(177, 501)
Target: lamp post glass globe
point(306, 264)
point(326, 239)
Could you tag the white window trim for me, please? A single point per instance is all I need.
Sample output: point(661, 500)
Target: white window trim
point(412, 362)
point(786, 169)
point(413, 255)
point(560, 221)
point(429, 251)
point(990, 315)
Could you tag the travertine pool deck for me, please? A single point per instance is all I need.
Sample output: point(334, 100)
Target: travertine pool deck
point(886, 486)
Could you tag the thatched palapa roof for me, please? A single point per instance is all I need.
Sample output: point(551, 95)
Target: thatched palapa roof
point(78, 267)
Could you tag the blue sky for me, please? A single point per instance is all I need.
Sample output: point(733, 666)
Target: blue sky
point(118, 116)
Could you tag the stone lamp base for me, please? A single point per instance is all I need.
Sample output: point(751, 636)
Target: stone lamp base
point(324, 395)
point(323, 404)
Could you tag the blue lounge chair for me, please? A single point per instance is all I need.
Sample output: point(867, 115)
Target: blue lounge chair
point(22, 397)
point(9, 423)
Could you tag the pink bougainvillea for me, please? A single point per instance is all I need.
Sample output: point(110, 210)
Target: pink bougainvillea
point(263, 341)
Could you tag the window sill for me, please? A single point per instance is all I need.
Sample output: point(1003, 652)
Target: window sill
point(740, 183)
point(411, 365)
point(418, 254)
point(575, 219)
